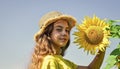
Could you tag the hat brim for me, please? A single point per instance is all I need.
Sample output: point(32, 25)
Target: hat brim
point(71, 20)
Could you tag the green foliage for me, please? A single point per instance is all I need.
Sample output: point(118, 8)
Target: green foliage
point(114, 28)
point(115, 51)
point(114, 56)
point(110, 62)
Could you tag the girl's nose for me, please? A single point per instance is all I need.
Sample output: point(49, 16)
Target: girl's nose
point(64, 33)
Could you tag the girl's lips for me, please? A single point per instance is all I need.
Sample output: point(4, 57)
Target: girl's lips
point(63, 39)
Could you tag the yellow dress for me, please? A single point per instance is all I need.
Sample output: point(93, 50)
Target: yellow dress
point(57, 62)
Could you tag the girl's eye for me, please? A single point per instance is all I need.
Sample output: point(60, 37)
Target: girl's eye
point(59, 30)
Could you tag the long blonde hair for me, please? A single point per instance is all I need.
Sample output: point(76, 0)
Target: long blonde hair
point(44, 47)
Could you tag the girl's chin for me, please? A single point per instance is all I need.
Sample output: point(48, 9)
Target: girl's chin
point(62, 44)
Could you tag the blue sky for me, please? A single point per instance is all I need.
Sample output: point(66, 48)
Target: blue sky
point(19, 22)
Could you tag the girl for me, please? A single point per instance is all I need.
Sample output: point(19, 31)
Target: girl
point(52, 40)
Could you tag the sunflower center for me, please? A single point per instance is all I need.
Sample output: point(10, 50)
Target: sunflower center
point(94, 34)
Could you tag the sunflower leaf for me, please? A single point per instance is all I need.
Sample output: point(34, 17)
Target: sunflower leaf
point(110, 62)
point(112, 59)
point(115, 52)
point(114, 28)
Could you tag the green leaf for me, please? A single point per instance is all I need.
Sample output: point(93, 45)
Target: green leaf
point(110, 62)
point(114, 28)
point(115, 52)
point(118, 45)
point(111, 58)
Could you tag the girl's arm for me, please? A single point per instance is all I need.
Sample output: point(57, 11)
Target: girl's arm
point(96, 63)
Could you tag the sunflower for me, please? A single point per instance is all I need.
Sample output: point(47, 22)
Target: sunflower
point(92, 34)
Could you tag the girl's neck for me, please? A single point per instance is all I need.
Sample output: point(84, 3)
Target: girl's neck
point(58, 50)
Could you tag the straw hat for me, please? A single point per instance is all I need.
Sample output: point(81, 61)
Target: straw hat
point(51, 17)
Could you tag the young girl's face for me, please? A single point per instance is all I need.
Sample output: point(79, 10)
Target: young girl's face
point(60, 33)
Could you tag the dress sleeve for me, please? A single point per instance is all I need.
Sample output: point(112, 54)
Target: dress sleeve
point(50, 64)
point(71, 64)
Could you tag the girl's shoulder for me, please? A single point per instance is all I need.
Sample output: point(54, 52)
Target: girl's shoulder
point(53, 57)
point(58, 62)
point(50, 62)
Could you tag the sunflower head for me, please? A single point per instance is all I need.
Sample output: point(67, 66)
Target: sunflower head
point(92, 34)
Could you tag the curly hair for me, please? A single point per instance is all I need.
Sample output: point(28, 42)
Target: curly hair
point(44, 47)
